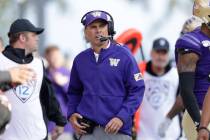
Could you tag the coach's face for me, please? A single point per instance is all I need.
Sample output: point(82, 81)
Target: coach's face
point(94, 30)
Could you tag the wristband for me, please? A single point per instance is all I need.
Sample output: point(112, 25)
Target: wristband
point(203, 128)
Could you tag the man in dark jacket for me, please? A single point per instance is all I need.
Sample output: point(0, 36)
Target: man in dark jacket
point(33, 103)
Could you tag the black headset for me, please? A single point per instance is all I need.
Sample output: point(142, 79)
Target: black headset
point(111, 30)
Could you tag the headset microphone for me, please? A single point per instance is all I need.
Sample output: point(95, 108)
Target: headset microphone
point(104, 38)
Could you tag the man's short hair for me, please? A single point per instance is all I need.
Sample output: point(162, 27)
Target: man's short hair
point(14, 37)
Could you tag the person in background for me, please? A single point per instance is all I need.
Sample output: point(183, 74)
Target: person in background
point(204, 132)
point(59, 76)
point(161, 82)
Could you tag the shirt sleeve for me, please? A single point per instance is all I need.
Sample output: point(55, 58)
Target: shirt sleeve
point(134, 84)
point(189, 43)
point(5, 76)
point(74, 91)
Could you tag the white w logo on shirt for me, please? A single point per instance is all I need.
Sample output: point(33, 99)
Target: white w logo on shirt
point(114, 62)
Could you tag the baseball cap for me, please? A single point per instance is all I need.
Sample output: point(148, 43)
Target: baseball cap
point(95, 15)
point(161, 44)
point(21, 25)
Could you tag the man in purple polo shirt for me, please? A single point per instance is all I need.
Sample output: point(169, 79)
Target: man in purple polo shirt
point(106, 87)
point(193, 62)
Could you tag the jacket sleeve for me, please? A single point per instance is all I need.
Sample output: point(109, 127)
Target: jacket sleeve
point(5, 76)
point(75, 91)
point(135, 91)
point(51, 104)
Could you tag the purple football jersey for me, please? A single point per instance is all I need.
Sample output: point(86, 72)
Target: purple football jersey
point(198, 43)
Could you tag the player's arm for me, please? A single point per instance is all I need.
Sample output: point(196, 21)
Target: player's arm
point(186, 67)
point(205, 118)
point(177, 107)
point(19, 74)
point(203, 133)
